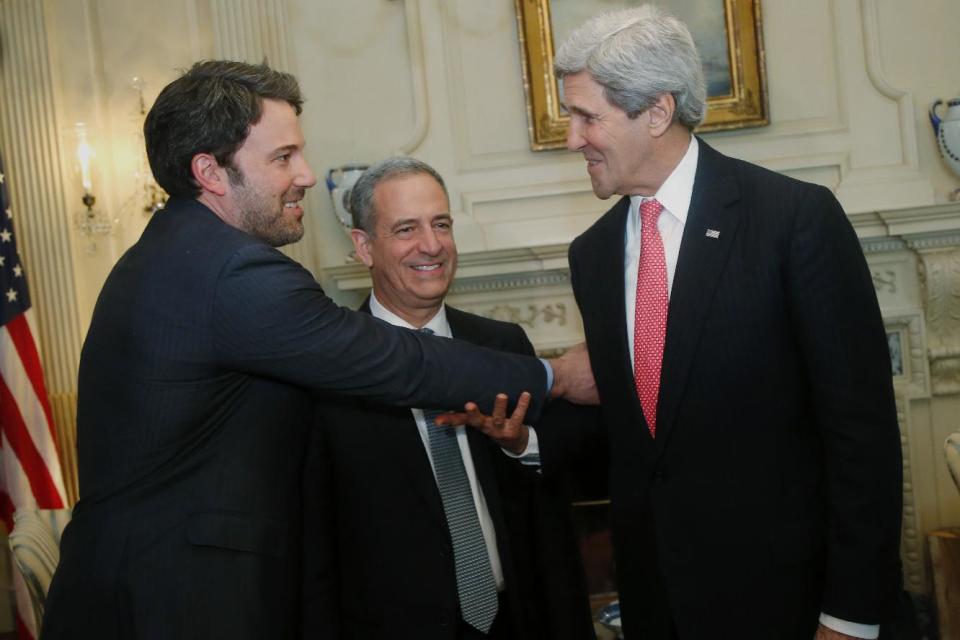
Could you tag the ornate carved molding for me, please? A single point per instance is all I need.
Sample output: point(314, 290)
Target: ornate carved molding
point(912, 378)
point(550, 318)
point(884, 280)
point(934, 241)
point(913, 564)
point(933, 234)
point(882, 245)
point(527, 315)
point(511, 281)
point(940, 277)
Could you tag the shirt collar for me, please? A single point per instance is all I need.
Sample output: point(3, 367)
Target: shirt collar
point(438, 323)
point(677, 190)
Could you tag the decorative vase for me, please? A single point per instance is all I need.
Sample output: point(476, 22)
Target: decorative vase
point(947, 130)
point(339, 182)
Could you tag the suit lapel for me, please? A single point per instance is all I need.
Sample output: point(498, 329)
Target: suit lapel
point(713, 208)
point(402, 436)
point(464, 328)
point(411, 456)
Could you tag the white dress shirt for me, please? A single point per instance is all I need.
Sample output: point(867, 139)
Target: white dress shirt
point(674, 195)
point(439, 325)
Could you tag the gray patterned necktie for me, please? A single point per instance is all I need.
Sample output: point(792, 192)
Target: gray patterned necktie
point(476, 587)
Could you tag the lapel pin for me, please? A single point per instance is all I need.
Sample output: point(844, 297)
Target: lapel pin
point(713, 233)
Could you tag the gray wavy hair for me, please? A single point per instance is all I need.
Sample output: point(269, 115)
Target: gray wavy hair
point(362, 207)
point(637, 54)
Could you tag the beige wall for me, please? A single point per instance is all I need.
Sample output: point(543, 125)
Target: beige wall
point(830, 119)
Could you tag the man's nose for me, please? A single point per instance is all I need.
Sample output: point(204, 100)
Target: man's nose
point(305, 177)
point(430, 241)
point(575, 139)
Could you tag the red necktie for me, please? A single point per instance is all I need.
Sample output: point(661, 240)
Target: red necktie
point(650, 313)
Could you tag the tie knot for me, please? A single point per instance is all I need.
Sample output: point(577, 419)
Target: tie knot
point(650, 211)
point(428, 331)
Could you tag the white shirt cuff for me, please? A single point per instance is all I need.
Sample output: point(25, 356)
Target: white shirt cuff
point(531, 455)
point(549, 370)
point(855, 629)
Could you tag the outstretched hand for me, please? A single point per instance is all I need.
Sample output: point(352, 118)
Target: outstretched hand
point(510, 433)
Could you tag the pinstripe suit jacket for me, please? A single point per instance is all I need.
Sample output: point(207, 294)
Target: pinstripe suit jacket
point(192, 421)
point(772, 489)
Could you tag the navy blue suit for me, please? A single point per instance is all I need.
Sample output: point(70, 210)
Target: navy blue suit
point(193, 414)
point(772, 490)
point(378, 555)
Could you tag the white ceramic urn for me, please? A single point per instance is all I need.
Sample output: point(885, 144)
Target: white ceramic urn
point(947, 130)
point(339, 182)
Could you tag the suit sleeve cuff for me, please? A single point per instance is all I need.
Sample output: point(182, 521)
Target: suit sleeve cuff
point(549, 369)
point(855, 629)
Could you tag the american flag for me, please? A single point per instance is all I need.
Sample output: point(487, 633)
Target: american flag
point(29, 467)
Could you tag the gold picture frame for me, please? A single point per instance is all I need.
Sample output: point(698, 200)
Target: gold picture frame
point(741, 103)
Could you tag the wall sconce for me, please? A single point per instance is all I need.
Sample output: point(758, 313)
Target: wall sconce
point(90, 220)
point(145, 197)
point(148, 197)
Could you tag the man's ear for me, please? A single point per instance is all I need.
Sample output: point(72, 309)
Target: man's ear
point(361, 242)
point(661, 114)
point(209, 174)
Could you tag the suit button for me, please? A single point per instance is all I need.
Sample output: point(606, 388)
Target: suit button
point(444, 620)
point(659, 477)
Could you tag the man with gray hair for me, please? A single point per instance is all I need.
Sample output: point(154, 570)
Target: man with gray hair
point(414, 532)
point(741, 361)
point(740, 357)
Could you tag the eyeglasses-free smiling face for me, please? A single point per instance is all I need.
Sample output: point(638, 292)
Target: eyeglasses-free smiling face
point(617, 148)
point(412, 254)
point(270, 176)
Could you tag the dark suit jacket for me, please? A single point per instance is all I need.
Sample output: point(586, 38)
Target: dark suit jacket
point(773, 488)
point(192, 420)
point(378, 555)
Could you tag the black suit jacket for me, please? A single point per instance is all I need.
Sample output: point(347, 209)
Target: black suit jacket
point(378, 555)
point(192, 422)
point(773, 488)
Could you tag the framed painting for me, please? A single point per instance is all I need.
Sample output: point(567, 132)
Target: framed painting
point(727, 33)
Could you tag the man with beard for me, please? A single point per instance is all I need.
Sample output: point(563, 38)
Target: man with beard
point(193, 386)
